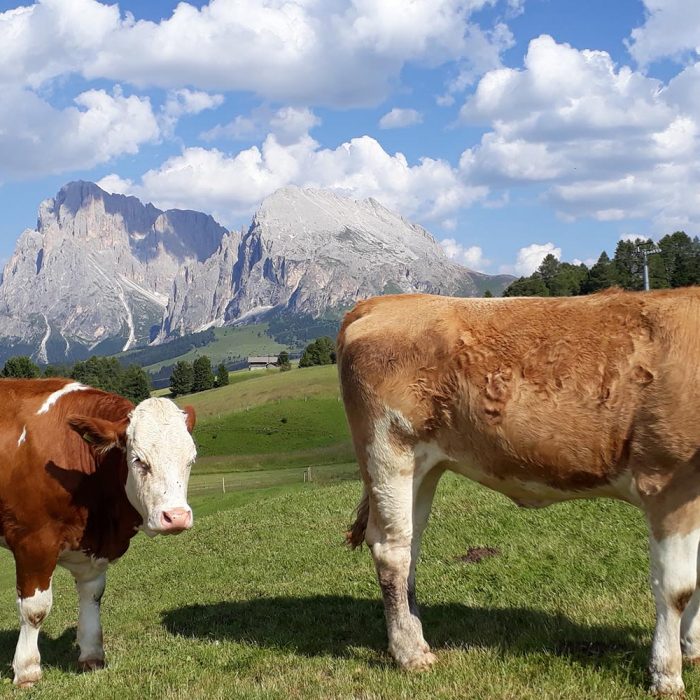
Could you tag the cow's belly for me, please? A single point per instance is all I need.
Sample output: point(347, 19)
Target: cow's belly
point(525, 492)
point(83, 566)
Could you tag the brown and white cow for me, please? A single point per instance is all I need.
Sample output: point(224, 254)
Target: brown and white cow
point(543, 400)
point(81, 471)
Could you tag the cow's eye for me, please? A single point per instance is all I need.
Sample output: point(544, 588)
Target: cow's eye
point(143, 466)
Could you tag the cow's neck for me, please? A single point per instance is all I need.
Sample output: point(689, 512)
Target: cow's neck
point(111, 519)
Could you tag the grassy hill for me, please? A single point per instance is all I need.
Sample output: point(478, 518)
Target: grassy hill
point(262, 601)
point(229, 344)
point(268, 428)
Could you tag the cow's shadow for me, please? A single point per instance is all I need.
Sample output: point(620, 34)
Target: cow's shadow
point(58, 652)
point(339, 625)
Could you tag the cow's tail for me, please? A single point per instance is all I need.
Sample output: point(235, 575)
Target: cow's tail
point(355, 536)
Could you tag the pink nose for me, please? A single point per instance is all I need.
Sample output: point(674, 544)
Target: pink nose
point(176, 520)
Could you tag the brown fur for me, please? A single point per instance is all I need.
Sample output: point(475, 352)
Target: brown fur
point(57, 491)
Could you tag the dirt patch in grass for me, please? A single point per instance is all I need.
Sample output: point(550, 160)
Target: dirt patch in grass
point(476, 554)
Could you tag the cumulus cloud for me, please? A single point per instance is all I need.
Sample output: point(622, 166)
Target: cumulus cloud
point(530, 257)
point(344, 53)
point(671, 29)
point(612, 142)
point(183, 102)
point(398, 118)
point(288, 124)
point(234, 184)
point(37, 138)
point(471, 256)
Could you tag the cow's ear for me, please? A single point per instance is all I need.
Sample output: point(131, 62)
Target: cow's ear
point(190, 417)
point(101, 434)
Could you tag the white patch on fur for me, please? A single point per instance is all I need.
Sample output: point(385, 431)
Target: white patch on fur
point(673, 573)
point(23, 436)
point(159, 453)
point(89, 573)
point(52, 398)
point(27, 661)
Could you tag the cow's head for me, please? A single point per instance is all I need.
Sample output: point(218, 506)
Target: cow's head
point(156, 438)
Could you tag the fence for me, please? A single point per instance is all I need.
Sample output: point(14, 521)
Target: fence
point(202, 484)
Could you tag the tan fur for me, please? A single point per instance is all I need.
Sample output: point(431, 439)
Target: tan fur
point(541, 399)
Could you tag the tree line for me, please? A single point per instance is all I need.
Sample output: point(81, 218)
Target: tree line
point(677, 265)
point(105, 373)
point(191, 377)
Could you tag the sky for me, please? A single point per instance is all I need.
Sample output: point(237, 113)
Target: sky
point(508, 128)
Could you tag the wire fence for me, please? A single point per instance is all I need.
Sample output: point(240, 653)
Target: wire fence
point(202, 484)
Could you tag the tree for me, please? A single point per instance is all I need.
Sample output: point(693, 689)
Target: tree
point(101, 372)
point(202, 377)
point(283, 361)
point(221, 375)
point(548, 270)
point(181, 378)
point(681, 257)
point(628, 265)
point(488, 294)
point(135, 384)
point(20, 367)
point(532, 286)
point(600, 276)
point(320, 352)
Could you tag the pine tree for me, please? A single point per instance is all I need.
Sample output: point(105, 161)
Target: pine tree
point(181, 378)
point(600, 276)
point(203, 377)
point(221, 375)
point(135, 384)
point(20, 367)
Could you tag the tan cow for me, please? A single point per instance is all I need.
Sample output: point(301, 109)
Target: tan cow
point(543, 400)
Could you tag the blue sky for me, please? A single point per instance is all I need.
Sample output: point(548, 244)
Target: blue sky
point(508, 128)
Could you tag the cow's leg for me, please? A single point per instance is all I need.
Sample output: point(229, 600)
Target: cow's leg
point(34, 571)
point(690, 624)
point(673, 580)
point(389, 536)
point(92, 654)
point(424, 492)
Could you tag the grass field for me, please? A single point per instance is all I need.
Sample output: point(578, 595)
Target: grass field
point(261, 600)
point(230, 344)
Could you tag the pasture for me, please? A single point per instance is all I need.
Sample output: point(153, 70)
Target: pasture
point(262, 600)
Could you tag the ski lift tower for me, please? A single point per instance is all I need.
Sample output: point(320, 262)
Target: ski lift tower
point(645, 250)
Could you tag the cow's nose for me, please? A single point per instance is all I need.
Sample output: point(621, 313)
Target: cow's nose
point(176, 520)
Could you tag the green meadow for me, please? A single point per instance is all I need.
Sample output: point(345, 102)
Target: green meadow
point(262, 599)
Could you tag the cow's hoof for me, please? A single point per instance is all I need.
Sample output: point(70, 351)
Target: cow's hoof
point(419, 662)
point(30, 676)
point(666, 685)
point(91, 664)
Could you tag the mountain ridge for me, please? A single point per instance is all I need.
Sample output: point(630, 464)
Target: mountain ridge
point(105, 272)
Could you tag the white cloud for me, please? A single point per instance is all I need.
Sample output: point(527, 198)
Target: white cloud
point(184, 101)
point(341, 53)
point(530, 257)
point(611, 142)
point(398, 118)
point(230, 185)
point(288, 124)
point(671, 29)
point(36, 138)
point(471, 256)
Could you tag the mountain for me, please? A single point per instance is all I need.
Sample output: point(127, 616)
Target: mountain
point(316, 252)
point(97, 273)
point(104, 272)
